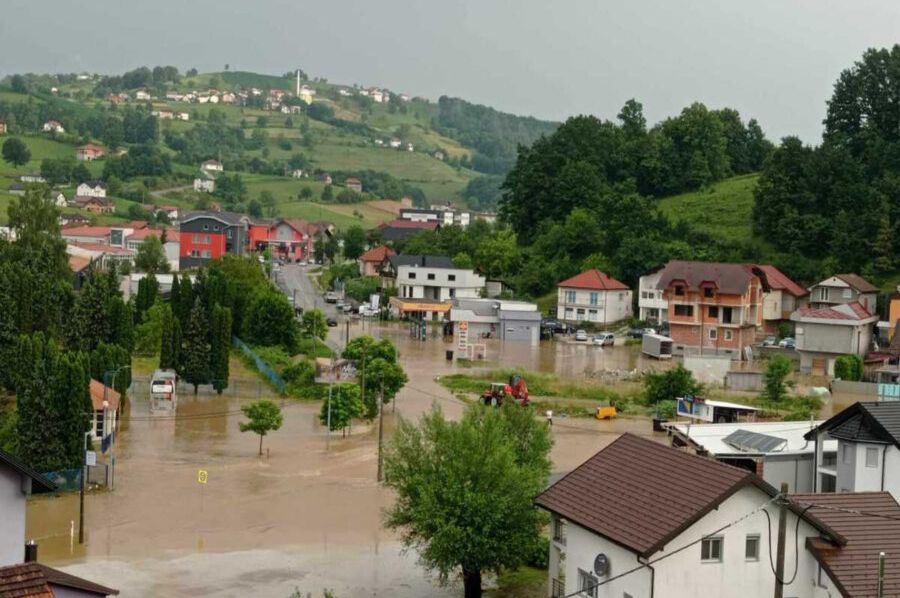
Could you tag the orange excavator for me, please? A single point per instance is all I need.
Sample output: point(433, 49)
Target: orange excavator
point(515, 389)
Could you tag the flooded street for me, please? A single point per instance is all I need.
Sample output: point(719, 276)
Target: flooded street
point(302, 519)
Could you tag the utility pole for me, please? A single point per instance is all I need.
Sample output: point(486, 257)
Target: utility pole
point(782, 530)
point(328, 430)
point(81, 498)
point(381, 433)
point(880, 591)
point(347, 333)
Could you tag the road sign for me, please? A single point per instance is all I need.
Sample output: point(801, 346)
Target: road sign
point(202, 476)
point(90, 458)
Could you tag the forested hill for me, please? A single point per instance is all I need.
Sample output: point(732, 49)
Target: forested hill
point(494, 135)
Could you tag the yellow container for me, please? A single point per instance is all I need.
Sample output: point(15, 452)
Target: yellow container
point(606, 412)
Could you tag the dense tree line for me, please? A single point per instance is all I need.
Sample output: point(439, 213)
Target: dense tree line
point(840, 201)
point(382, 185)
point(494, 135)
point(143, 77)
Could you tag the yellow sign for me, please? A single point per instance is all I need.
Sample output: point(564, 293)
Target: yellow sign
point(202, 476)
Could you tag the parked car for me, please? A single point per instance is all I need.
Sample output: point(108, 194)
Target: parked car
point(770, 341)
point(788, 343)
point(339, 304)
point(366, 311)
point(555, 326)
point(605, 339)
point(347, 308)
point(635, 332)
point(331, 297)
point(581, 336)
point(331, 322)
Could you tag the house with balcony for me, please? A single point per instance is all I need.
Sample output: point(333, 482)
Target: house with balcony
point(783, 297)
point(713, 308)
point(205, 236)
point(825, 333)
point(593, 296)
point(289, 239)
point(371, 260)
point(652, 305)
point(844, 288)
point(640, 519)
point(426, 284)
point(868, 449)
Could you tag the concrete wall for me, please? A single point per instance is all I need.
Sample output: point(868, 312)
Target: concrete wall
point(828, 338)
point(846, 466)
point(796, 470)
point(866, 390)
point(582, 546)
point(708, 369)
point(745, 380)
point(12, 518)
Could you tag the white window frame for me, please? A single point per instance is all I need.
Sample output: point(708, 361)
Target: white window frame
point(706, 546)
point(713, 334)
point(845, 454)
point(871, 451)
point(847, 294)
point(588, 580)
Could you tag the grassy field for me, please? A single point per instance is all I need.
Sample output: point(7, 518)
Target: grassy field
point(41, 147)
point(722, 210)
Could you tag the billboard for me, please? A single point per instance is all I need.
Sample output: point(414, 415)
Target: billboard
point(694, 408)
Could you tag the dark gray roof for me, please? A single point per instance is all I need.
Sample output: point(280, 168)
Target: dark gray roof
point(865, 422)
point(226, 217)
point(39, 482)
point(423, 261)
point(746, 440)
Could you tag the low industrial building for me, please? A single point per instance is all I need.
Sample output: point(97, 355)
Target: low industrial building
point(494, 318)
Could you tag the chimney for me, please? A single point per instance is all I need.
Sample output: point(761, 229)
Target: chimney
point(31, 551)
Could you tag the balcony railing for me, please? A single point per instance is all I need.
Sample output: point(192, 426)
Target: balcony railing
point(557, 588)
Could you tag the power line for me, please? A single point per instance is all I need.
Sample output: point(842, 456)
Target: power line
point(849, 511)
point(796, 547)
point(761, 507)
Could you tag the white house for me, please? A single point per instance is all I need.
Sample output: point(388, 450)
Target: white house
point(204, 184)
point(59, 199)
point(593, 296)
point(777, 451)
point(183, 116)
point(306, 94)
point(427, 284)
point(652, 306)
point(640, 519)
point(212, 166)
point(17, 483)
point(141, 95)
point(53, 126)
point(823, 334)
point(395, 143)
point(91, 189)
point(868, 449)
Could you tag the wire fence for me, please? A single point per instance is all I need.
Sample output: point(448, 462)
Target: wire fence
point(69, 480)
point(264, 368)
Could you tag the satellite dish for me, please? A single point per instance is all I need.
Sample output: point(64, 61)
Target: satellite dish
point(601, 565)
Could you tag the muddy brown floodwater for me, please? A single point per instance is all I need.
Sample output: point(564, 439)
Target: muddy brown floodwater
point(302, 519)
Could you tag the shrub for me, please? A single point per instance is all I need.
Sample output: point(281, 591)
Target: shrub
point(849, 367)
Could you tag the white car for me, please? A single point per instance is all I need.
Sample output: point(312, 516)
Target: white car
point(581, 336)
point(605, 339)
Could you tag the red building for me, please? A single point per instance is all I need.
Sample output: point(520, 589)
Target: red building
point(290, 239)
point(205, 236)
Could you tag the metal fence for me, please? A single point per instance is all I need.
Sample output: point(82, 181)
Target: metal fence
point(264, 368)
point(237, 387)
point(69, 480)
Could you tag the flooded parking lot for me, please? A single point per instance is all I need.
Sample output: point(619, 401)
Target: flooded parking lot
point(304, 518)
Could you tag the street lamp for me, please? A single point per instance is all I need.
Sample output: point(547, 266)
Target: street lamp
point(107, 429)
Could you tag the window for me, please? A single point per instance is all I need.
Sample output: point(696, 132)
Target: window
point(451, 277)
point(430, 276)
point(587, 584)
point(216, 227)
point(100, 422)
point(729, 334)
point(713, 312)
point(570, 296)
point(727, 314)
point(709, 292)
point(711, 550)
point(412, 275)
point(205, 227)
point(823, 293)
point(207, 253)
point(230, 233)
point(559, 530)
point(645, 295)
point(848, 294)
point(845, 454)
point(751, 547)
point(713, 334)
point(195, 253)
point(621, 296)
point(679, 291)
point(871, 457)
point(579, 314)
point(684, 310)
point(595, 298)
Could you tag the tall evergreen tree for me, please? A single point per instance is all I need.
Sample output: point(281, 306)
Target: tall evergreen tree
point(90, 324)
point(168, 350)
point(148, 291)
point(196, 351)
point(121, 324)
point(185, 301)
point(220, 333)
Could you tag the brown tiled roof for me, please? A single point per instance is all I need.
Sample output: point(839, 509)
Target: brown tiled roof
point(34, 580)
point(377, 254)
point(640, 494)
point(730, 279)
point(594, 279)
point(77, 263)
point(858, 282)
point(846, 311)
point(98, 391)
point(778, 280)
point(854, 566)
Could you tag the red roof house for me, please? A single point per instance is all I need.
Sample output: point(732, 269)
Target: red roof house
point(370, 261)
point(593, 296)
point(90, 151)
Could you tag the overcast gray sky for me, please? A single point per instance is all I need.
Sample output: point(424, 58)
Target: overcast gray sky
point(775, 60)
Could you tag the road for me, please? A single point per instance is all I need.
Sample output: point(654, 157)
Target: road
point(295, 282)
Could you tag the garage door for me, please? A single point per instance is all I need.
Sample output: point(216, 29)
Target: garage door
point(818, 366)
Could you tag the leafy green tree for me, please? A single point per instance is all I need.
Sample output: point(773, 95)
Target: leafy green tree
point(849, 367)
point(57, 171)
point(80, 173)
point(151, 257)
point(382, 376)
point(498, 256)
point(147, 295)
point(327, 193)
point(195, 366)
point(264, 416)
point(16, 152)
point(270, 320)
point(121, 323)
point(775, 389)
point(670, 384)
point(464, 490)
point(345, 405)
point(313, 324)
point(354, 242)
point(35, 219)
point(169, 340)
point(220, 329)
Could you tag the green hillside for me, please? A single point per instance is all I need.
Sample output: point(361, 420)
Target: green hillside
point(723, 210)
